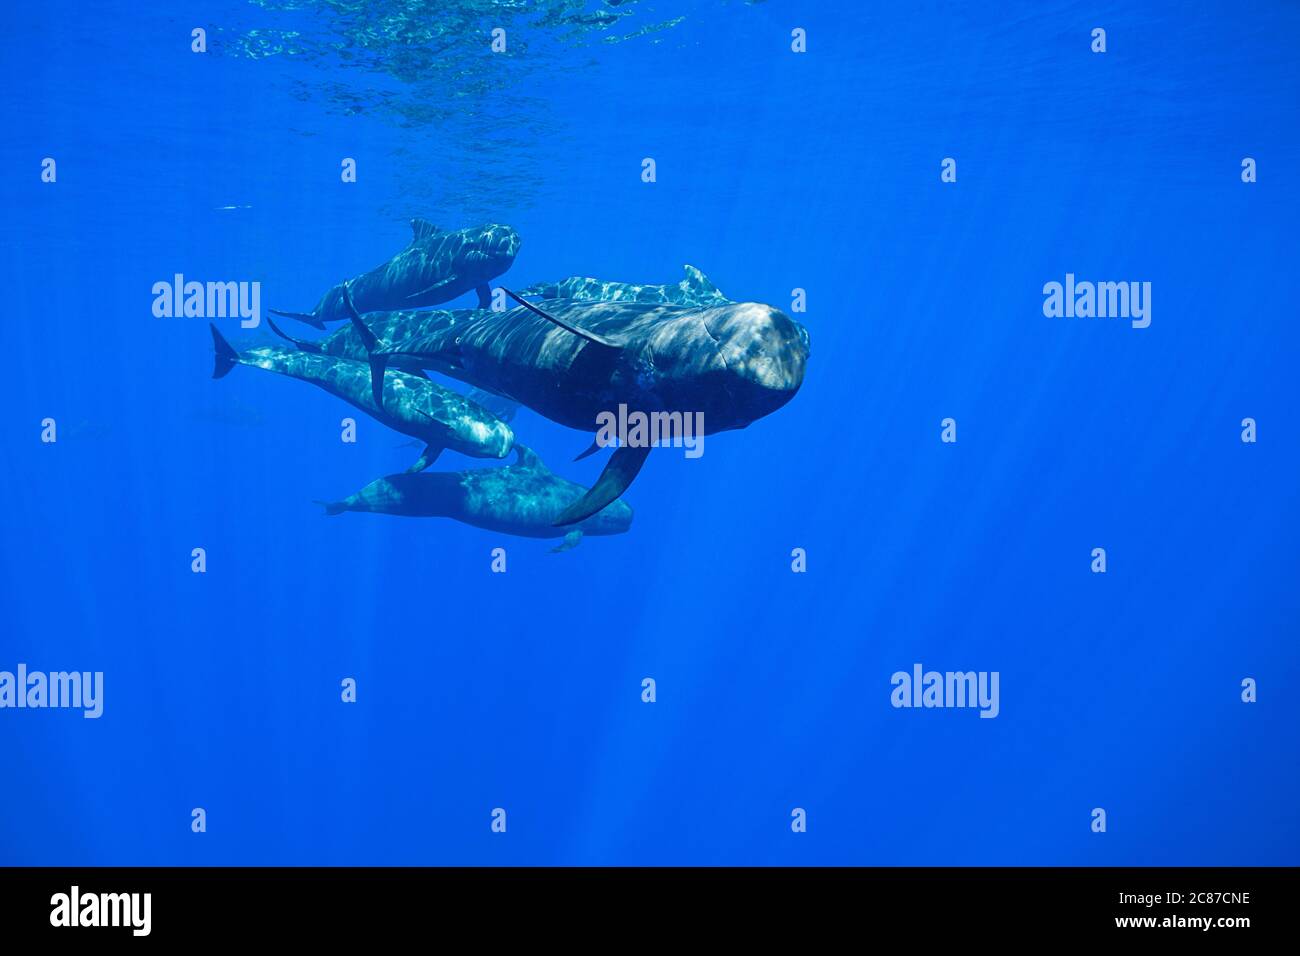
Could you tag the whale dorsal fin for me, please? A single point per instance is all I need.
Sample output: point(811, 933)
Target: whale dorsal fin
point(526, 456)
point(422, 229)
point(699, 282)
point(570, 542)
point(581, 333)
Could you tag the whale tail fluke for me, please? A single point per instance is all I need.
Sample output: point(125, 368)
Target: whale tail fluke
point(332, 507)
point(301, 317)
point(621, 468)
point(378, 363)
point(225, 357)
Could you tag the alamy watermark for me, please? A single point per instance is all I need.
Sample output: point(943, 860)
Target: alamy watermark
point(948, 689)
point(1098, 300)
point(646, 429)
point(75, 908)
point(83, 690)
point(208, 300)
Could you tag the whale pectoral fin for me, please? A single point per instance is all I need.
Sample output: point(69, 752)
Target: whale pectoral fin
point(378, 363)
point(570, 542)
point(378, 369)
point(427, 458)
point(621, 468)
point(484, 296)
point(299, 343)
point(301, 317)
point(591, 450)
point(593, 337)
point(437, 286)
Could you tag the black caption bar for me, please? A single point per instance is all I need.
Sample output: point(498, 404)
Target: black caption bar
point(335, 904)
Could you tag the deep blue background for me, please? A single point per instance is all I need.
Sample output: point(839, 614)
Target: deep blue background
point(522, 690)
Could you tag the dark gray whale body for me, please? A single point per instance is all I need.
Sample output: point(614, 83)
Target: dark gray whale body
point(733, 363)
point(436, 267)
point(520, 499)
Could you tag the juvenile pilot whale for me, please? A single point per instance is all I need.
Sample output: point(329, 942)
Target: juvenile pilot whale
point(345, 343)
point(411, 404)
point(695, 289)
point(575, 361)
point(436, 267)
point(522, 499)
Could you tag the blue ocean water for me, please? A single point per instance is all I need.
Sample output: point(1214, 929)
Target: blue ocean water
point(776, 171)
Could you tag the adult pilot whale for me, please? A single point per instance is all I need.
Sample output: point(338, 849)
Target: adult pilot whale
point(576, 361)
point(436, 267)
point(521, 499)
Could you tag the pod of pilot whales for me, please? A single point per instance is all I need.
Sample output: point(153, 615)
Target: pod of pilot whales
point(584, 347)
